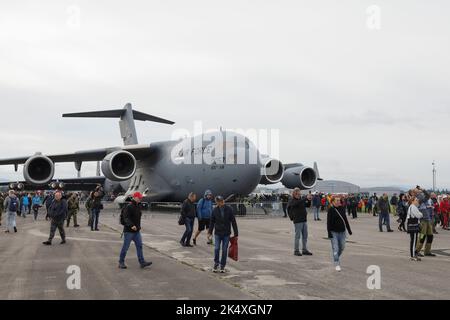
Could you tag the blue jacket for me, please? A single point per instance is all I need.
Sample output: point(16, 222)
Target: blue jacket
point(204, 209)
point(36, 201)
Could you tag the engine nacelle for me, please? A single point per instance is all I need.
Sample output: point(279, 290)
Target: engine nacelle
point(38, 170)
point(119, 166)
point(272, 171)
point(300, 177)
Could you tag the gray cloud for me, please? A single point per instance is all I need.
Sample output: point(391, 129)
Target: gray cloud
point(335, 89)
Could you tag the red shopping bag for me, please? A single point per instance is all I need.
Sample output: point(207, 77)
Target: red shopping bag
point(233, 252)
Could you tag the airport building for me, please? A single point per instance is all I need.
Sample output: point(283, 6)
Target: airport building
point(336, 186)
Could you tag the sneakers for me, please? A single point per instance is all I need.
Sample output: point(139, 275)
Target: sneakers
point(418, 254)
point(63, 242)
point(416, 259)
point(216, 269)
point(298, 254)
point(146, 264)
point(189, 246)
point(430, 255)
point(15, 229)
point(47, 243)
point(122, 266)
point(390, 231)
point(194, 241)
point(338, 268)
point(223, 270)
point(307, 253)
point(182, 244)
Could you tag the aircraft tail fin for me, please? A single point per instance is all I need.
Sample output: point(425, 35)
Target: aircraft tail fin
point(127, 117)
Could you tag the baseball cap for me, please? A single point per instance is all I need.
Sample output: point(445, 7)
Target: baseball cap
point(138, 195)
point(219, 198)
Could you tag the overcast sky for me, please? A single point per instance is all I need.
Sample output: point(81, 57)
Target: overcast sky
point(372, 106)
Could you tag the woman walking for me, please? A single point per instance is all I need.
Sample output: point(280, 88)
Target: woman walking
point(402, 211)
point(413, 225)
point(337, 225)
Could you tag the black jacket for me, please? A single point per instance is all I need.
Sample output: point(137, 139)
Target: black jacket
point(58, 210)
point(188, 209)
point(132, 216)
point(297, 210)
point(222, 225)
point(337, 220)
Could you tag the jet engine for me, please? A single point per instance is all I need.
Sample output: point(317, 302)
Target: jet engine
point(300, 177)
point(272, 171)
point(38, 170)
point(119, 166)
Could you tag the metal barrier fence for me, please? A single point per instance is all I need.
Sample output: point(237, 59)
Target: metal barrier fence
point(240, 209)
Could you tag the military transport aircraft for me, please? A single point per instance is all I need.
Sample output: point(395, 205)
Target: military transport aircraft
point(225, 162)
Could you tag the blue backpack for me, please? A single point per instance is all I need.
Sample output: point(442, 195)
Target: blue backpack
point(13, 205)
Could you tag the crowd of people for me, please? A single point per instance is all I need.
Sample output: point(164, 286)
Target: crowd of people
point(418, 212)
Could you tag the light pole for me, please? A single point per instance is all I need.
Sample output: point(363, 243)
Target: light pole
point(434, 176)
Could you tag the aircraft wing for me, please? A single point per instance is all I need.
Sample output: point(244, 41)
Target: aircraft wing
point(138, 151)
point(70, 184)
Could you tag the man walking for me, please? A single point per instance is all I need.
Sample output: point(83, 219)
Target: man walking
point(222, 219)
point(57, 212)
point(204, 211)
point(426, 207)
point(298, 215)
point(12, 206)
point(316, 206)
point(384, 217)
point(131, 221)
point(97, 206)
point(74, 207)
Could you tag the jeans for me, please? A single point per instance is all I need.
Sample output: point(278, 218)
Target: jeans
point(95, 216)
point(338, 246)
point(11, 222)
point(189, 224)
point(316, 213)
point(301, 231)
point(57, 225)
point(384, 217)
point(128, 237)
point(225, 242)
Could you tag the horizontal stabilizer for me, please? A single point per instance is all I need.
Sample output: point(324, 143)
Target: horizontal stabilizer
point(119, 113)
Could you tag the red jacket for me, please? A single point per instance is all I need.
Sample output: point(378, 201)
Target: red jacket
point(444, 207)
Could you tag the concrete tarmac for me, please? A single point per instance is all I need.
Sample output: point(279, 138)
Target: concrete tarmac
point(267, 268)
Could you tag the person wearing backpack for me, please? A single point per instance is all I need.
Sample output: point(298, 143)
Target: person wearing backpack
point(58, 213)
point(337, 225)
point(204, 211)
point(12, 206)
point(130, 218)
point(413, 227)
point(74, 207)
